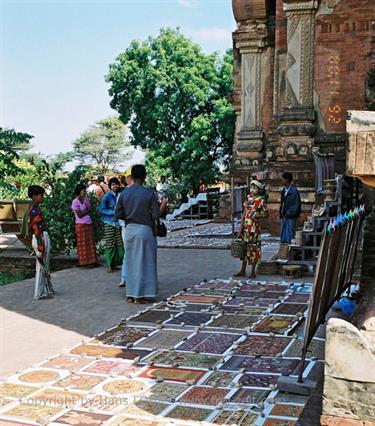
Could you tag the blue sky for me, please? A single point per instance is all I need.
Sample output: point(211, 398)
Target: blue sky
point(54, 55)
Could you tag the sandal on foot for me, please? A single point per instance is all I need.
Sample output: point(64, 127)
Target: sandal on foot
point(130, 299)
point(140, 301)
point(122, 284)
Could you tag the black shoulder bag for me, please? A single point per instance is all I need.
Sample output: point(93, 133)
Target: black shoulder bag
point(160, 228)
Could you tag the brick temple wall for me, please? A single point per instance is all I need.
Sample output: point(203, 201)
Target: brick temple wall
point(298, 67)
point(342, 48)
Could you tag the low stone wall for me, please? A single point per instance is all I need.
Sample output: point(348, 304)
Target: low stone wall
point(11, 262)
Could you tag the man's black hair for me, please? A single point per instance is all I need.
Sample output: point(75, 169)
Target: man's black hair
point(80, 187)
point(35, 190)
point(112, 181)
point(139, 171)
point(288, 176)
point(101, 179)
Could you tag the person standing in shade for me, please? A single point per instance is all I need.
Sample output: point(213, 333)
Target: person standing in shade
point(81, 207)
point(290, 208)
point(162, 187)
point(139, 208)
point(162, 193)
point(254, 208)
point(202, 186)
point(113, 245)
point(35, 235)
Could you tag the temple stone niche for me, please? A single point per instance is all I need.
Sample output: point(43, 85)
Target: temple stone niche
point(298, 67)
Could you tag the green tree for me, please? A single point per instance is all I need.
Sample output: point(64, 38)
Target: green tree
point(174, 98)
point(104, 145)
point(12, 143)
point(59, 195)
point(33, 169)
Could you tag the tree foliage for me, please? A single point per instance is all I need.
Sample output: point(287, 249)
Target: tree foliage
point(174, 98)
point(33, 169)
point(11, 144)
point(104, 145)
point(59, 186)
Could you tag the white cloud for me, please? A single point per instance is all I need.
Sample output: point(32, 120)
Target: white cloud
point(213, 35)
point(187, 3)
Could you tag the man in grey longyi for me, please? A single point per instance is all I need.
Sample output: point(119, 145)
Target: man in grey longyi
point(139, 208)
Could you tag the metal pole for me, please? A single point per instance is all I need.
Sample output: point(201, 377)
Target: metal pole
point(302, 367)
point(232, 204)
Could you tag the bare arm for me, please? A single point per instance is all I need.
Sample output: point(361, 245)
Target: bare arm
point(163, 204)
point(81, 213)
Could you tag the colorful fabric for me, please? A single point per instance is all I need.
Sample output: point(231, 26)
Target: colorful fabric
point(86, 244)
point(81, 207)
point(254, 208)
point(43, 286)
point(35, 236)
point(140, 261)
point(113, 245)
point(33, 224)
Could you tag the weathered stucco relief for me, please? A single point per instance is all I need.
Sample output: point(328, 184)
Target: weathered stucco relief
point(250, 41)
point(300, 38)
point(293, 73)
point(251, 44)
point(250, 83)
point(326, 7)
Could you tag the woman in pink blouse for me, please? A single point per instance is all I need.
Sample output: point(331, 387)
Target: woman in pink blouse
point(81, 207)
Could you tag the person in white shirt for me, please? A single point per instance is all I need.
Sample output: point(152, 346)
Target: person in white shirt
point(93, 185)
point(162, 187)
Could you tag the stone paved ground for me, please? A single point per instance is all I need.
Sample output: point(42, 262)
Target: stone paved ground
point(87, 302)
point(210, 354)
point(215, 375)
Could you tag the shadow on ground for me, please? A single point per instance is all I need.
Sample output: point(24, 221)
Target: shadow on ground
point(88, 300)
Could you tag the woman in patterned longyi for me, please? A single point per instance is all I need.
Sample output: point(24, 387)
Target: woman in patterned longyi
point(254, 208)
point(113, 244)
point(81, 207)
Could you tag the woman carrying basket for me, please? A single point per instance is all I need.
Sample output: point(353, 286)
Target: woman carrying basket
point(254, 208)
